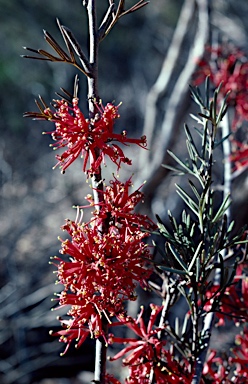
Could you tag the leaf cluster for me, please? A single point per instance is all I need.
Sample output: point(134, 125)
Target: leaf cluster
point(74, 54)
point(200, 251)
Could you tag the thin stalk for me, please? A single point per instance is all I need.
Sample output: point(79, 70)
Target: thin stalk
point(93, 57)
point(209, 317)
point(227, 162)
point(101, 356)
point(96, 179)
point(165, 302)
point(93, 95)
point(195, 324)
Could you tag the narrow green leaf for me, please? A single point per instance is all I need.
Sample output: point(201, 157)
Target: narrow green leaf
point(199, 121)
point(204, 196)
point(188, 223)
point(194, 189)
point(188, 200)
point(192, 230)
point(180, 162)
point(223, 108)
point(173, 221)
point(216, 144)
point(178, 172)
point(224, 206)
point(241, 242)
point(159, 219)
point(204, 147)
point(230, 228)
point(178, 258)
point(195, 256)
point(184, 217)
point(162, 228)
point(190, 138)
point(170, 257)
point(196, 96)
point(192, 154)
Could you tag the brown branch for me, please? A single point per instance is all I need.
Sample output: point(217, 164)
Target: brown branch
point(70, 42)
point(77, 48)
point(121, 12)
point(135, 7)
point(106, 21)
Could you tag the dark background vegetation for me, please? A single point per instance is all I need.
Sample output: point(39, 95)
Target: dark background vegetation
point(34, 199)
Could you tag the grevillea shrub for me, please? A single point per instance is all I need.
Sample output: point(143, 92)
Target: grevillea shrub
point(201, 261)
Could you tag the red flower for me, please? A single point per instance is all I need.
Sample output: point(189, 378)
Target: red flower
point(227, 65)
point(148, 345)
point(104, 266)
point(85, 321)
point(217, 369)
point(82, 136)
point(110, 379)
point(232, 369)
point(241, 355)
point(233, 304)
point(147, 354)
point(239, 155)
point(100, 275)
point(118, 206)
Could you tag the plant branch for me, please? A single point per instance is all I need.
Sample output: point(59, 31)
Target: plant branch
point(77, 48)
point(106, 21)
point(208, 321)
point(119, 13)
point(63, 56)
point(97, 183)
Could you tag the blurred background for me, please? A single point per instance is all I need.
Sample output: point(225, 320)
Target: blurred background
point(35, 200)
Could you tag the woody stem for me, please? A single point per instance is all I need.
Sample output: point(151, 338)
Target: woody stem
point(96, 179)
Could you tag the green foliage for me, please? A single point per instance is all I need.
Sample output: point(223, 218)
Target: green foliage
point(195, 243)
point(197, 248)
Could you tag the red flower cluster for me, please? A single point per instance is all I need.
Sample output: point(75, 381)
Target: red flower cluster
point(110, 379)
point(234, 369)
point(234, 303)
point(215, 369)
point(147, 354)
point(241, 355)
point(87, 137)
point(103, 267)
point(229, 66)
point(118, 206)
point(239, 155)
